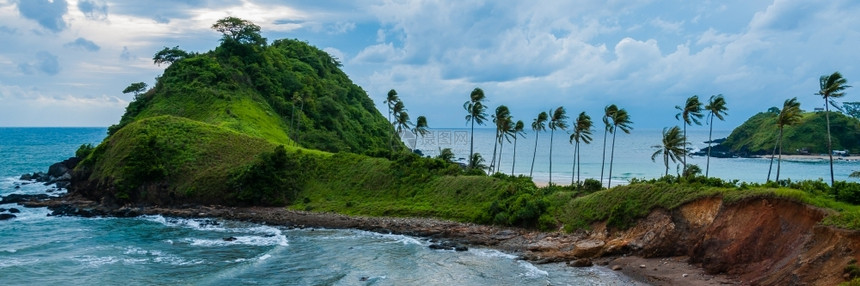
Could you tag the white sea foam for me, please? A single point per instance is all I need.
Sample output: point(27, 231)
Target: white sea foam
point(198, 224)
point(280, 240)
point(492, 253)
point(531, 270)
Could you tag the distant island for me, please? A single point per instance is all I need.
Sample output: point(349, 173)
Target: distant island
point(757, 136)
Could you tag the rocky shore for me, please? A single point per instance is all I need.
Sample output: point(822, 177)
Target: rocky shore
point(534, 246)
point(763, 241)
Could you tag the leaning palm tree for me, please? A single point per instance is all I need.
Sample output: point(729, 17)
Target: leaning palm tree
point(396, 109)
point(557, 121)
point(789, 115)
point(690, 113)
point(674, 147)
point(390, 101)
point(500, 119)
point(506, 135)
point(476, 113)
point(620, 119)
point(608, 112)
point(519, 130)
point(831, 86)
point(402, 122)
point(716, 108)
point(581, 133)
point(420, 129)
point(538, 125)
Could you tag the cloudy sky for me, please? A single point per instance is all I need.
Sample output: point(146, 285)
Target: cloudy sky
point(65, 62)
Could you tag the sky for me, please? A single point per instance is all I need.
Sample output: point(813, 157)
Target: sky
point(65, 62)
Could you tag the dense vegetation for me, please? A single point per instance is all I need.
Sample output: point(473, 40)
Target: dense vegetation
point(284, 92)
point(758, 134)
point(280, 124)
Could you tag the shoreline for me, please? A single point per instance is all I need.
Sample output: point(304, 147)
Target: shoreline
point(531, 245)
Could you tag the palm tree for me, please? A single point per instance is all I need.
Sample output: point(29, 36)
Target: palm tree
point(557, 121)
point(397, 108)
point(402, 121)
point(446, 155)
point(519, 130)
point(391, 100)
point(690, 113)
point(538, 125)
point(831, 86)
point(420, 129)
point(608, 112)
point(507, 134)
point(620, 119)
point(476, 113)
point(477, 162)
point(674, 147)
point(716, 108)
point(500, 119)
point(789, 115)
point(581, 133)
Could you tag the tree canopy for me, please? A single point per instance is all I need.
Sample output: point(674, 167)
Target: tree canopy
point(239, 30)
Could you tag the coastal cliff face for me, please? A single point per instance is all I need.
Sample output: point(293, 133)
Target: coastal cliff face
point(758, 241)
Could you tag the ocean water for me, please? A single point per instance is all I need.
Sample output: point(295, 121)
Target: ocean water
point(632, 157)
point(36, 249)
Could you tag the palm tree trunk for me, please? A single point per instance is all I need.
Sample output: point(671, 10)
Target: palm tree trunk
point(551, 134)
point(390, 139)
point(514, 162)
point(534, 155)
point(603, 162)
point(573, 168)
point(779, 160)
point(578, 164)
point(472, 143)
point(666, 162)
point(501, 146)
point(495, 144)
point(772, 154)
point(829, 142)
point(684, 170)
point(611, 159)
point(708, 160)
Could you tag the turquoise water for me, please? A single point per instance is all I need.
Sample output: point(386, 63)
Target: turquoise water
point(36, 249)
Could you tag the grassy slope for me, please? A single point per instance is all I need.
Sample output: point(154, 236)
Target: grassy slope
point(758, 134)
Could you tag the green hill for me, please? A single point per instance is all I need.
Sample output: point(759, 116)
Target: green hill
point(758, 134)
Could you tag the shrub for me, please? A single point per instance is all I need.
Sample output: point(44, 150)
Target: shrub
point(273, 179)
point(623, 215)
point(84, 151)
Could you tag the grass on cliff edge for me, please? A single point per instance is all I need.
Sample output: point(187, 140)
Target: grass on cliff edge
point(622, 206)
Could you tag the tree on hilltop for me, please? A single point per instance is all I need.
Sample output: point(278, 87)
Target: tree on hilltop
point(239, 30)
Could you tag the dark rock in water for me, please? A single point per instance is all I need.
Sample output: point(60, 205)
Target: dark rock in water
point(363, 279)
point(19, 198)
point(230, 238)
point(59, 169)
point(68, 210)
point(582, 262)
point(447, 245)
point(7, 216)
point(26, 177)
point(2, 210)
point(14, 210)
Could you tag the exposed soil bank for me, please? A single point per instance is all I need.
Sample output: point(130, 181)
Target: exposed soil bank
point(758, 242)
